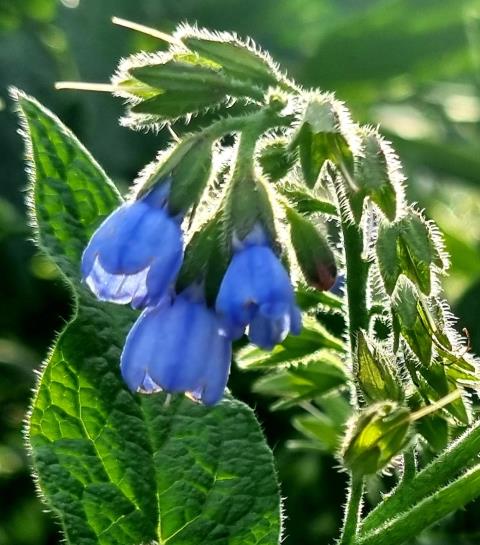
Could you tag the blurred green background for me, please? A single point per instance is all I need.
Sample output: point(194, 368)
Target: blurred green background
point(411, 65)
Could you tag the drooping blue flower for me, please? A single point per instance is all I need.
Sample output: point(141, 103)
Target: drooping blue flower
point(177, 347)
point(256, 291)
point(136, 253)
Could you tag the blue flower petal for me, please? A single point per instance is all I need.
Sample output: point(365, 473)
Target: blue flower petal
point(177, 347)
point(215, 375)
point(190, 325)
point(141, 348)
point(270, 326)
point(256, 290)
point(117, 288)
point(295, 320)
point(135, 254)
point(254, 276)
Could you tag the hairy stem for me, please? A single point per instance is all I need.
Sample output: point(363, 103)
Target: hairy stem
point(409, 465)
point(356, 280)
point(352, 511)
point(459, 456)
point(432, 509)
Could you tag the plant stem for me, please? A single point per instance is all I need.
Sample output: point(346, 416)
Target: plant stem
point(356, 280)
point(356, 271)
point(352, 511)
point(460, 455)
point(262, 120)
point(409, 465)
point(441, 503)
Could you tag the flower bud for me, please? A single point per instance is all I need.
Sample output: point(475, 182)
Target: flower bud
point(189, 166)
point(412, 317)
point(376, 373)
point(375, 436)
point(323, 134)
point(408, 247)
point(172, 85)
point(276, 159)
point(375, 175)
point(238, 60)
point(417, 251)
point(314, 255)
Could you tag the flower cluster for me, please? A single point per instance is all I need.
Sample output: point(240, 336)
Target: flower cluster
point(178, 343)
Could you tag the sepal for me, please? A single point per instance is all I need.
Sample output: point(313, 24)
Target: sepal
point(376, 373)
point(408, 247)
point(188, 166)
point(249, 205)
point(324, 133)
point(411, 316)
point(206, 260)
point(376, 176)
point(374, 437)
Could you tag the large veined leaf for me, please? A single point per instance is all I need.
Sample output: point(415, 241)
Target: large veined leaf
point(118, 468)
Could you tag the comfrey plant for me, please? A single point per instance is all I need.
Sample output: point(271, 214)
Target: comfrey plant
point(234, 234)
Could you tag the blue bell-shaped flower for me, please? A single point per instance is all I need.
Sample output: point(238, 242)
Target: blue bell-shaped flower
point(136, 253)
point(256, 291)
point(177, 347)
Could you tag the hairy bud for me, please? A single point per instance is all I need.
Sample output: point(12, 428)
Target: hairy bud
point(276, 159)
point(376, 373)
point(374, 175)
point(411, 315)
point(408, 247)
point(314, 255)
point(322, 135)
point(375, 436)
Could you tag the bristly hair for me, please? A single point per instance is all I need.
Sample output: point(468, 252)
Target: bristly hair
point(185, 30)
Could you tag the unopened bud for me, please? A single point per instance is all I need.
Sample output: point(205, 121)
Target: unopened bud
point(412, 317)
point(313, 252)
point(375, 436)
point(376, 373)
point(374, 175)
point(322, 136)
point(237, 59)
point(276, 159)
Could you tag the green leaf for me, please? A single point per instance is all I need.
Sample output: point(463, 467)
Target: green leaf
point(305, 381)
point(320, 429)
point(69, 193)
point(118, 468)
point(308, 298)
point(305, 202)
point(312, 338)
